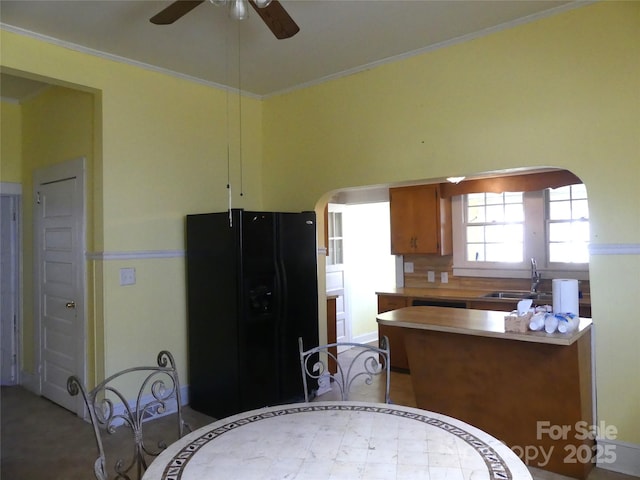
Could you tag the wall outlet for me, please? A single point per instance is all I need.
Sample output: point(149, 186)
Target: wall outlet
point(408, 267)
point(127, 276)
point(431, 276)
point(444, 277)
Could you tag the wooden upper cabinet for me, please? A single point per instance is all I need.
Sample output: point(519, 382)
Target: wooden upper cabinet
point(420, 221)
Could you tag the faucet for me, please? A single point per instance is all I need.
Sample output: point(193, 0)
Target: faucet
point(535, 276)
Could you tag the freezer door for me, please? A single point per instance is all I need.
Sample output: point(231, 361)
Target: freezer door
point(297, 260)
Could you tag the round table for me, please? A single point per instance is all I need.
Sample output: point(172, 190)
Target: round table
point(337, 440)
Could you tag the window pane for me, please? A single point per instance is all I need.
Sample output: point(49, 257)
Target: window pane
point(577, 252)
point(495, 213)
point(580, 209)
point(494, 198)
point(337, 224)
point(504, 252)
point(475, 199)
point(494, 233)
point(475, 234)
point(581, 231)
point(578, 191)
point(559, 232)
point(514, 213)
point(475, 253)
point(514, 233)
point(475, 215)
point(560, 210)
point(562, 193)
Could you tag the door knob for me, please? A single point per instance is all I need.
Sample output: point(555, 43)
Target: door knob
point(71, 304)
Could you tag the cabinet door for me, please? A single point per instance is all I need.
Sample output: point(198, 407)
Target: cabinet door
point(427, 221)
point(390, 302)
point(396, 335)
point(402, 207)
point(420, 221)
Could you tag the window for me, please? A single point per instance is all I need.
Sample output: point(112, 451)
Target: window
point(495, 227)
point(568, 224)
point(496, 234)
point(335, 239)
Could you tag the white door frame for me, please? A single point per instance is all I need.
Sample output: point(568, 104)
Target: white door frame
point(14, 191)
point(62, 171)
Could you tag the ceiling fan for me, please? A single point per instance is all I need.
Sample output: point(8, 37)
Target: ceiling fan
point(272, 13)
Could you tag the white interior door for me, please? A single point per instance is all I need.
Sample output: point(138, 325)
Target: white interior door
point(60, 278)
point(335, 271)
point(9, 294)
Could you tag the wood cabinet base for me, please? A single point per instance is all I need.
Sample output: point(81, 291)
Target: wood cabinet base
point(522, 393)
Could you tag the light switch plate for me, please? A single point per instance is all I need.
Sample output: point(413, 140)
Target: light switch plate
point(408, 267)
point(431, 276)
point(127, 276)
point(444, 277)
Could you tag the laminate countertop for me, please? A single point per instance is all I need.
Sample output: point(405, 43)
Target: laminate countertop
point(483, 323)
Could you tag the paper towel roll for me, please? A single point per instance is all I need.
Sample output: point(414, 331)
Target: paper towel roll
point(565, 295)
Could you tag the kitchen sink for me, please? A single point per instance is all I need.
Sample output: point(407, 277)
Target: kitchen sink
point(517, 295)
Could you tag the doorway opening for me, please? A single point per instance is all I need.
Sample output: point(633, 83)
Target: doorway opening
point(358, 265)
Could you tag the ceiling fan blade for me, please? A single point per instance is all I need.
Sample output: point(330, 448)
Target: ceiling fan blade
point(277, 19)
point(175, 11)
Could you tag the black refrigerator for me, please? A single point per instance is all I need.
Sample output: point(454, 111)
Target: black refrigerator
point(252, 290)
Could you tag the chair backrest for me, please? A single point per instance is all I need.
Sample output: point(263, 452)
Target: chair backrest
point(157, 393)
point(360, 365)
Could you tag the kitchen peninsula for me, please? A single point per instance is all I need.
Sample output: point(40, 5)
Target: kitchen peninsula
point(531, 390)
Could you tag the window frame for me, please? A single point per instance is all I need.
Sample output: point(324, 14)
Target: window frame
point(535, 245)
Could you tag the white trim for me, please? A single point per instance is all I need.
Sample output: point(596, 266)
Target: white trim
point(627, 456)
point(447, 43)
point(117, 58)
point(368, 66)
point(615, 249)
point(366, 337)
point(120, 412)
point(10, 188)
point(135, 255)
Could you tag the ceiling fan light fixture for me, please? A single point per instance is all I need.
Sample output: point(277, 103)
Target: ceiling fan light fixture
point(238, 9)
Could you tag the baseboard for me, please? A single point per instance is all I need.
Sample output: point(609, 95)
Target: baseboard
point(366, 338)
point(119, 409)
point(617, 456)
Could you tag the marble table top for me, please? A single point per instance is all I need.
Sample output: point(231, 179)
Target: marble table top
point(337, 440)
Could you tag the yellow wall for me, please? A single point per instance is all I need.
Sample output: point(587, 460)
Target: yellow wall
point(10, 142)
point(563, 91)
point(160, 151)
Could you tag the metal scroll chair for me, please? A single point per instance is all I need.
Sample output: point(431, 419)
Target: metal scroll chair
point(364, 364)
point(157, 393)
